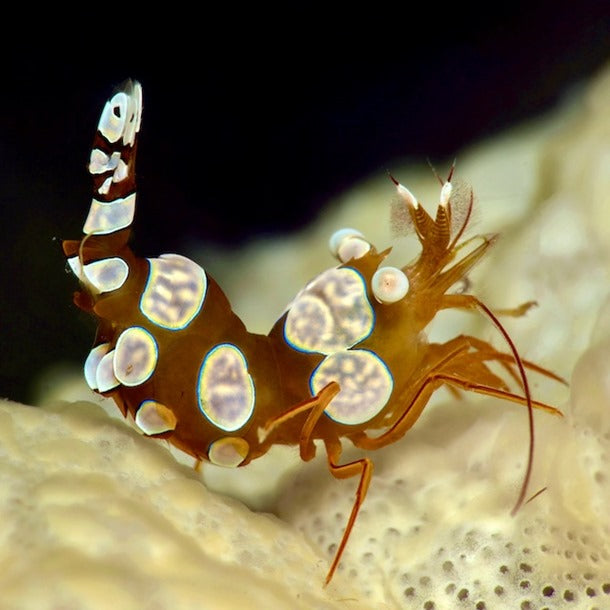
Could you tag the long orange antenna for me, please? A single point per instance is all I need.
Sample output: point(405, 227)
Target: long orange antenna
point(528, 399)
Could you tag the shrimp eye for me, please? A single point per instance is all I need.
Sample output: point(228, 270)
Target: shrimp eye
point(346, 244)
point(389, 284)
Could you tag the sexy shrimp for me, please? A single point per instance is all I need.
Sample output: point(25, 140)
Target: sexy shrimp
point(349, 356)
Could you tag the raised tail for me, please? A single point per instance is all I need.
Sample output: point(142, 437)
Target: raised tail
point(112, 163)
point(112, 167)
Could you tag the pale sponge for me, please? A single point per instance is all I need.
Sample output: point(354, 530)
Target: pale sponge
point(95, 516)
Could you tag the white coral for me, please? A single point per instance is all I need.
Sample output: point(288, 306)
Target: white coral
point(96, 516)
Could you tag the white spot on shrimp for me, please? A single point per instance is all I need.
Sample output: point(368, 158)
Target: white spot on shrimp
point(330, 314)
point(175, 291)
point(225, 389)
point(366, 385)
point(107, 274)
point(122, 115)
point(135, 356)
point(109, 217)
point(155, 418)
point(92, 364)
point(229, 451)
point(105, 378)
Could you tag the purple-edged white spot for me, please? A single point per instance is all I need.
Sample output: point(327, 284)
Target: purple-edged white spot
point(229, 451)
point(76, 267)
point(330, 314)
point(175, 291)
point(105, 379)
point(92, 363)
point(107, 274)
point(225, 389)
point(109, 217)
point(121, 115)
point(155, 418)
point(100, 163)
point(366, 385)
point(135, 356)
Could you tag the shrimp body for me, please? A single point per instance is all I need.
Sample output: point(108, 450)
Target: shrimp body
point(349, 359)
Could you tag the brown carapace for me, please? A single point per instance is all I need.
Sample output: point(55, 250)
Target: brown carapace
point(348, 359)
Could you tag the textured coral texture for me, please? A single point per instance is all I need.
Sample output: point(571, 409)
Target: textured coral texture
point(96, 516)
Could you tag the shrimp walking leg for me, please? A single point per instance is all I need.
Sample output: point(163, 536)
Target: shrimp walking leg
point(362, 467)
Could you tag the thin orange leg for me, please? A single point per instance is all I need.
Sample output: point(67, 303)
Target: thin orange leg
point(315, 405)
point(307, 448)
point(416, 406)
point(429, 385)
point(362, 467)
point(302, 407)
point(516, 312)
point(480, 388)
point(508, 361)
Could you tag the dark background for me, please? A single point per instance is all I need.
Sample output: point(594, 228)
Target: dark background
point(252, 123)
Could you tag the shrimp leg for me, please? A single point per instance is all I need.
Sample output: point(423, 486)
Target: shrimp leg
point(362, 467)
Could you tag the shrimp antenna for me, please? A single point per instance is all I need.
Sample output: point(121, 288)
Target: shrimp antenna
point(81, 259)
point(433, 169)
point(451, 171)
point(391, 177)
point(437, 175)
point(540, 491)
point(528, 400)
point(82, 275)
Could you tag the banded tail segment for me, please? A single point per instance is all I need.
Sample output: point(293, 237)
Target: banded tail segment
point(112, 163)
point(112, 167)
